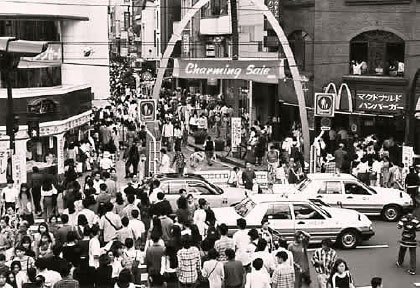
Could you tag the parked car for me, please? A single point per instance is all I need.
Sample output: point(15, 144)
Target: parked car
point(199, 188)
point(346, 191)
point(286, 216)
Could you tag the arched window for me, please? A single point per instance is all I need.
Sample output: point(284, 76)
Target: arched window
point(377, 53)
point(300, 43)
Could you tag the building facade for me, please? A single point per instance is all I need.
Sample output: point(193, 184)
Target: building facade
point(370, 45)
point(58, 87)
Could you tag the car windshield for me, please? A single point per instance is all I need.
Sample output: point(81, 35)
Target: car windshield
point(216, 188)
point(244, 207)
point(371, 190)
point(321, 205)
point(302, 185)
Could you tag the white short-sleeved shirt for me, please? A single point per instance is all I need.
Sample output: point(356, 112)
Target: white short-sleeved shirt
point(94, 250)
point(10, 194)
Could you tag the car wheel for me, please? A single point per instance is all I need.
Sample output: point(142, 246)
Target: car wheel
point(349, 239)
point(391, 213)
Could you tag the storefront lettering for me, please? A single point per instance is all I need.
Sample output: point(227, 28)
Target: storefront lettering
point(260, 70)
point(380, 101)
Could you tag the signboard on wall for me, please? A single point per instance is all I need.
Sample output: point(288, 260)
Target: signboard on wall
point(186, 44)
point(384, 102)
point(236, 132)
point(407, 156)
point(264, 71)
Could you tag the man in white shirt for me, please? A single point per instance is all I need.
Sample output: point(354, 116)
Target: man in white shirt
point(165, 162)
point(110, 223)
point(10, 195)
point(156, 189)
point(51, 276)
point(242, 241)
point(137, 226)
point(106, 163)
point(97, 181)
point(94, 248)
point(91, 217)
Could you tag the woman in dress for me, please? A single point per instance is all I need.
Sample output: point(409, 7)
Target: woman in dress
point(25, 204)
point(300, 256)
point(340, 275)
point(200, 217)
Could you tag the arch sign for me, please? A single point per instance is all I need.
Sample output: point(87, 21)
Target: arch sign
point(259, 4)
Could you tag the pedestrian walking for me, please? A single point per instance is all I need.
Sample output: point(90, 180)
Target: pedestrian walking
point(410, 225)
point(323, 260)
point(209, 147)
point(132, 157)
point(339, 156)
point(248, 176)
point(233, 180)
point(340, 275)
point(258, 278)
point(179, 161)
point(234, 273)
point(300, 255)
point(189, 263)
point(412, 183)
point(284, 275)
point(213, 270)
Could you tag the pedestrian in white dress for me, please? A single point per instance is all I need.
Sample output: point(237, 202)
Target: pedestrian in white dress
point(200, 217)
point(213, 270)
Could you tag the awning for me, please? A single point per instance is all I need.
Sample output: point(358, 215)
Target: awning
point(7, 16)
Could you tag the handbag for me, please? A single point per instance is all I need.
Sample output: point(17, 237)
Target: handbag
point(205, 280)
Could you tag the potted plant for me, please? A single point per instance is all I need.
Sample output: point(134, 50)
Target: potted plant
point(199, 137)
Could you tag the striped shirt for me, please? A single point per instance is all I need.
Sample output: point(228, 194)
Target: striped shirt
point(327, 258)
point(410, 226)
point(222, 245)
point(67, 283)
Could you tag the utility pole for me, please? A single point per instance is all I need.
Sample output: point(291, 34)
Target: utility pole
point(235, 32)
point(410, 118)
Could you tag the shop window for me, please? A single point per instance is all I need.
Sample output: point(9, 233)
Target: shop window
point(300, 43)
point(377, 53)
point(42, 153)
point(215, 8)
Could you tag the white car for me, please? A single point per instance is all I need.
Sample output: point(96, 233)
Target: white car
point(286, 216)
point(346, 191)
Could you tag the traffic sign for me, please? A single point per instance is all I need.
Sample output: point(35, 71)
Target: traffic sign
point(324, 104)
point(325, 124)
point(147, 110)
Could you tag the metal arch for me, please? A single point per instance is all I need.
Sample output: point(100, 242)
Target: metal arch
point(286, 48)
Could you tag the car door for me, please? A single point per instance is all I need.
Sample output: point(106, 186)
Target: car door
point(310, 219)
point(281, 220)
point(201, 190)
point(331, 192)
point(358, 197)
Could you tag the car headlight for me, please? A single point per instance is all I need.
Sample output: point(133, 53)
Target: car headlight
point(370, 228)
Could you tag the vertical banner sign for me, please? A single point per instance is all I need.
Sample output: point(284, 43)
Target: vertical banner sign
point(236, 132)
point(186, 44)
point(126, 20)
point(407, 156)
point(16, 170)
point(60, 154)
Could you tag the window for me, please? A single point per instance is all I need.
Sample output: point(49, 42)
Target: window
point(377, 53)
point(198, 187)
point(175, 186)
point(300, 43)
point(330, 187)
point(305, 211)
point(355, 189)
point(279, 211)
point(215, 8)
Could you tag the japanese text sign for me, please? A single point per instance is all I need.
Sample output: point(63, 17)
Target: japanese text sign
point(380, 101)
point(236, 131)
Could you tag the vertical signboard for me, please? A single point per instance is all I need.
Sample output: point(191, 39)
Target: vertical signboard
point(407, 156)
point(236, 132)
point(186, 44)
point(126, 20)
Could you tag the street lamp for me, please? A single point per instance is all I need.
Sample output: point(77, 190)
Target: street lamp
point(11, 50)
